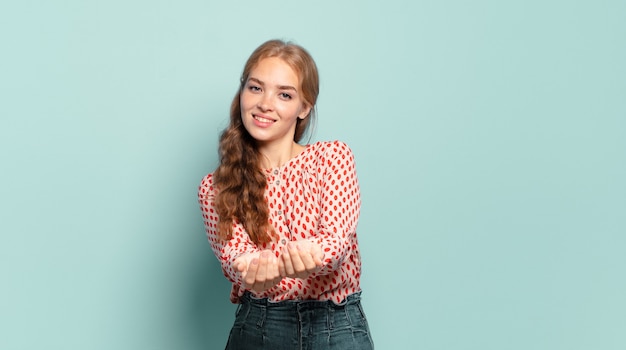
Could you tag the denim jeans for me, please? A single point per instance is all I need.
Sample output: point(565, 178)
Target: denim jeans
point(300, 325)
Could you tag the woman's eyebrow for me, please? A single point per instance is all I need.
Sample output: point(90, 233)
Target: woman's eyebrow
point(256, 81)
point(287, 87)
point(281, 87)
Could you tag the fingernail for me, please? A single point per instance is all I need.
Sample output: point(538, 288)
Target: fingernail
point(255, 261)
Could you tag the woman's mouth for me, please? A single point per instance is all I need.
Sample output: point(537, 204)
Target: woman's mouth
point(263, 119)
point(262, 122)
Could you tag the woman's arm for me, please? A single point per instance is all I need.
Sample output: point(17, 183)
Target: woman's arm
point(243, 263)
point(340, 207)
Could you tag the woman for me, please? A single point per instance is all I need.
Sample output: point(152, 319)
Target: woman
point(281, 217)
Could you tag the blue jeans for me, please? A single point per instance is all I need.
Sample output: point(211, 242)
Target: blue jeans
point(300, 325)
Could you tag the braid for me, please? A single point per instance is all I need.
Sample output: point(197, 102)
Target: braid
point(241, 186)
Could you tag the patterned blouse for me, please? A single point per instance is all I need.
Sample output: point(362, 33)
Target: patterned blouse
point(314, 196)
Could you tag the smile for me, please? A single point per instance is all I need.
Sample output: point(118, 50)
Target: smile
point(262, 119)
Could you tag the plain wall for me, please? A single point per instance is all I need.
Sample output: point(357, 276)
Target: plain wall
point(490, 140)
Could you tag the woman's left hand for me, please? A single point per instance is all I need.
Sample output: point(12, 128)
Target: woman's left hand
point(300, 259)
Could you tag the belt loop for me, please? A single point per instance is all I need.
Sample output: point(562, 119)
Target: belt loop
point(250, 298)
point(261, 321)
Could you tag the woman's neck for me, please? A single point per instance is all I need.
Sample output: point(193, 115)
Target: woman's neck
point(277, 155)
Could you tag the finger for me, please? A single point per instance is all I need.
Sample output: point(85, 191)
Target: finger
point(286, 258)
point(281, 267)
point(319, 259)
point(317, 254)
point(296, 260)
point(271, 273)
point(307, 259)
point(240, 265)
point(250, 274)
point(261, 274)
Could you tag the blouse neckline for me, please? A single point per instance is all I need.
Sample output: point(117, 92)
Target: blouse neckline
point(288, 163)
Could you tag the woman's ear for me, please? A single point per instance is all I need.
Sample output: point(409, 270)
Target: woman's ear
point(305, 111)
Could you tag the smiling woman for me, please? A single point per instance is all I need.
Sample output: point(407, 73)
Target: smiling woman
point(271, 107)
point(281, 217)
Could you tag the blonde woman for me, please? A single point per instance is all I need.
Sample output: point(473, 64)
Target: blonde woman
point(281, 217)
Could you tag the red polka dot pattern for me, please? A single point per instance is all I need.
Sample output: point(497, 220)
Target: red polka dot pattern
point(315, 196)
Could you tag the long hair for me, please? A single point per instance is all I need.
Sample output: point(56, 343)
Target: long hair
point(239, 179)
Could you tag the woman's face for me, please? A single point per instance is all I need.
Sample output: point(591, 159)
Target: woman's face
point(271, 102)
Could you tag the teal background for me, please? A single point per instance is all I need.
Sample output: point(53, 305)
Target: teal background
point(490, 139)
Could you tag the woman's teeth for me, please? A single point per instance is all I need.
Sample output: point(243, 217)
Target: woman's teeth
point(263, 120)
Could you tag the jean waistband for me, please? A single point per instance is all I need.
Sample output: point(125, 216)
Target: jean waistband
point(354, 298)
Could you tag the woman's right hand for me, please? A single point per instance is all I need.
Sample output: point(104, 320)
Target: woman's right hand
point(259, 270)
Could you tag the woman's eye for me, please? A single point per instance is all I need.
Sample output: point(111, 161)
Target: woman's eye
point(254, 88)
point(285, 95)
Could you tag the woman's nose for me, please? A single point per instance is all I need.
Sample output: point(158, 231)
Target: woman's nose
point(265, 103)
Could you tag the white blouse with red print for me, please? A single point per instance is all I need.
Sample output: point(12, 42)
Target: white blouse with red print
point(314, 196)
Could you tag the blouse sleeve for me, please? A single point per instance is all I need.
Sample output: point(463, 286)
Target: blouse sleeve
point(340, 206)
point(226, 251)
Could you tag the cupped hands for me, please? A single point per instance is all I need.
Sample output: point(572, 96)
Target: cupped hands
point(262, 270)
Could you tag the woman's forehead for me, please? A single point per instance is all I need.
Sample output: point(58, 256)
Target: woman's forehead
point(274, 71)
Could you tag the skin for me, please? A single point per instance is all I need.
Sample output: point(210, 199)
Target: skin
point(272, 97)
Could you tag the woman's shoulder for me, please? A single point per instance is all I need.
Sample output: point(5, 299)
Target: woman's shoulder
point(206, 187)
point(330, 148)
point(322, 154)
point(207, 180)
